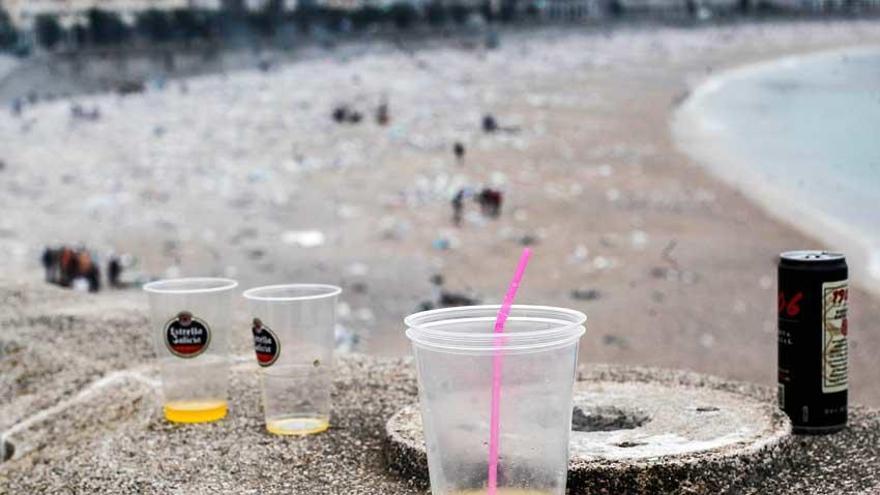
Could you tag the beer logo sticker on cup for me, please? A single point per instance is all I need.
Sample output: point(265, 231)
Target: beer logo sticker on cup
point(266, 344)
point(187, 336)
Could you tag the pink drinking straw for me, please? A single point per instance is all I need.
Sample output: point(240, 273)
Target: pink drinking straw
point(495, 417)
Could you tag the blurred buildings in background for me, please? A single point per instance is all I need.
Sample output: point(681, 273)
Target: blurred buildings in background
point(24, 13)
point(68, 25)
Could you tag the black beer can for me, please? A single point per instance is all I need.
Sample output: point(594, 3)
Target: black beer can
point(813, 368)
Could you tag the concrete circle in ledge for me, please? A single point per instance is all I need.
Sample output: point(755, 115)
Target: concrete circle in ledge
point(638, 430)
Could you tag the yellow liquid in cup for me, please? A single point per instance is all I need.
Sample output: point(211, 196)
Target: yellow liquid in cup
point(297, 426)
point(195, 411)
point(503, 491)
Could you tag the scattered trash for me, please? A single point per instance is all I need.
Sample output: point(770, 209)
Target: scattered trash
point(453, 299)
point(343, 310)
point(615, 341)
point(256, 253)
point(707, 340)
point(346, 340)
point(172, 271)
point(357, 269)
point(584, 294)
point(77, 112)
point(393, 228)
point(657, 296)
point(579, 254)
point(659, 272)
point(130, 87)
point(603, 263)
point(303, 238)
point(528, 240)
point(441, 244)
point(674, 275)
point(638, 239)
point(443, 298)
point(364, 314)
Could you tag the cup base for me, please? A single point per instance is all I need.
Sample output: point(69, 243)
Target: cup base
point(195, 411)
point(297, 426)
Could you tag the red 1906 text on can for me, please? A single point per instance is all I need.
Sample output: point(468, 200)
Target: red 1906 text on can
point(812, 300)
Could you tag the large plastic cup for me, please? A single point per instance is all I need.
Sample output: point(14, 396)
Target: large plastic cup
point(191, 319)
point(293, 327)
point(454, 350)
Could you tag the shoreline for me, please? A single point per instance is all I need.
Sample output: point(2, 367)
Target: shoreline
point(694, 136)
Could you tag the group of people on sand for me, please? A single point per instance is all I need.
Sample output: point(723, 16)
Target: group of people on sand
point(70, 266)
point(344, 114)
point(76, 267)
point(489, 199)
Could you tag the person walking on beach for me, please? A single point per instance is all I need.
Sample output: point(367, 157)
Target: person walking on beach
point(46, 261)
point(458, 207)
point(114, 270)
point(382, 115)
point(490, 202)
point(67, 267)
point(340, 114)
point(88, 269)
point(490, 125)
point(51, 261)
point(458, 150)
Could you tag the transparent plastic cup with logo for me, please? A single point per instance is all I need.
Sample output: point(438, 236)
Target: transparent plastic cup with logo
point(190, 320)
point(455, 352)
point(293, 327)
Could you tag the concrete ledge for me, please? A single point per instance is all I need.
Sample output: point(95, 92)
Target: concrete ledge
point(84, 418)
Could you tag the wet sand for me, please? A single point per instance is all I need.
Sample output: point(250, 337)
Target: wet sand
point(217, 178)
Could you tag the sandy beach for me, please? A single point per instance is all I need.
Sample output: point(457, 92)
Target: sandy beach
point(245, 175)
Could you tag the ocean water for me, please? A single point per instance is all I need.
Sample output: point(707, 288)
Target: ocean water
point(804, 134)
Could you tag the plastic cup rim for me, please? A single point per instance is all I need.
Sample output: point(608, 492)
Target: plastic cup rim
point(331, 291)
point(224, 284)
point(565, 332)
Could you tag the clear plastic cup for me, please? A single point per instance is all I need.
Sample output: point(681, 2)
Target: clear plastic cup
point(191, 319)
point(454, 351)
point(293, 327)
